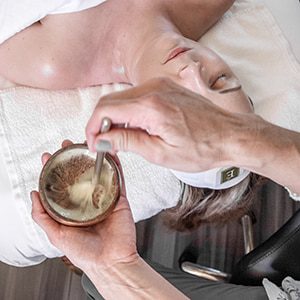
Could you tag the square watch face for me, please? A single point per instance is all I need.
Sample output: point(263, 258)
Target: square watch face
point(229, 174)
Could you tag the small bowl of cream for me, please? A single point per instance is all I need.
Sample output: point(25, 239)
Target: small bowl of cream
point(66, 189)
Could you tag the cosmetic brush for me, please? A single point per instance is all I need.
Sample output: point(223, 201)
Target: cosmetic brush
point(72, 187)
point(105, 126)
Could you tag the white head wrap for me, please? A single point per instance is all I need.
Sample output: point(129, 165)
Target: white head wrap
point(216, 179)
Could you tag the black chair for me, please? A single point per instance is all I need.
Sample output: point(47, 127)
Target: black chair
point(276, 258)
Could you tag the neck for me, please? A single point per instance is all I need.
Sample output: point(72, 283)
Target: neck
point(148, 26)
point(136, 25)
point(124, 28)
point(109, 63)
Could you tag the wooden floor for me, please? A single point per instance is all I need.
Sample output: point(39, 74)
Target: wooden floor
point(219, 247)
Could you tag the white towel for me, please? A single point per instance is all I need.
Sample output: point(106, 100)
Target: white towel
point(17, 15)
point(249, 39)
point(33, 121)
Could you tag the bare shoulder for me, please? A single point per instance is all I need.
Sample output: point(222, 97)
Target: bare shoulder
point(54, 51)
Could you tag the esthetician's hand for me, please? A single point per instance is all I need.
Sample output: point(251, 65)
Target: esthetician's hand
point(100, 246)
point(169, 125)
point(176, 128)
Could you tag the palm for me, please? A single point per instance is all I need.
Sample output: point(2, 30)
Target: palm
point(114, 239)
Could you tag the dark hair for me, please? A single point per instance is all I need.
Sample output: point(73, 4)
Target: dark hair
point(201, 205)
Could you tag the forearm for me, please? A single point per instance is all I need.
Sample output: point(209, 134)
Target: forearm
point(268, 150)
point(136, 280)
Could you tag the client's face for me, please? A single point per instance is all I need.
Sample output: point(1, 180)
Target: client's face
point(195, 67)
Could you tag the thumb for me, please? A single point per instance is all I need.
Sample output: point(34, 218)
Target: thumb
point(133, 140)
point(42, 218)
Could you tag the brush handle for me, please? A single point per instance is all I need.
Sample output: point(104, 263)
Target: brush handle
point(105, 126)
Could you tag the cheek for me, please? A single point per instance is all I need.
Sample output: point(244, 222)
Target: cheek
point(237, 103)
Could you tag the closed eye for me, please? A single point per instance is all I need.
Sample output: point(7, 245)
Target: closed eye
point(219, 82)
point(225, 84)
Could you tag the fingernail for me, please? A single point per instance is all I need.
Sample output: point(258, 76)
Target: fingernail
point(103, 146)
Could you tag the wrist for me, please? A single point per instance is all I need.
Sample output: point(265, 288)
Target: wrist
point(110, 277)
point(265, 149)
point(248, 142)
point(239, 141)
point(226, 145)
point(108, 266)
point(133, 279)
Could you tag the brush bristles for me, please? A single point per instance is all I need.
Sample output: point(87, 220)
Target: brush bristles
point(97, 194)
point(64, 175)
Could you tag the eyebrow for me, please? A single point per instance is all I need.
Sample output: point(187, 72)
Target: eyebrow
point(237, 88)
point(250, 100)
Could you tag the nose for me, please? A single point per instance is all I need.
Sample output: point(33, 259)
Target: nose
point(192, 78)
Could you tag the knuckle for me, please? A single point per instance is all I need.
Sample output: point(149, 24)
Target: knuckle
point(153, 101)
point(162, 82)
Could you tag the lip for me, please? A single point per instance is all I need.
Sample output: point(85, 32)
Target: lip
point(175, 53)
